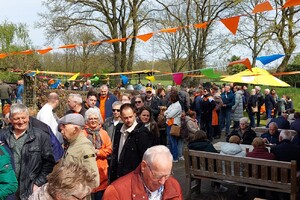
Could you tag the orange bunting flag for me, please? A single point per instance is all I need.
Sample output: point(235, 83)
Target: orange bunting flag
point(145, 37)
point(3, 55)
point(27, 52)
point(245, 62)
point(231, 23)
point(202, 25)
point(262, 7)
point(68, 46)
point(169, 30)
point(95, 43)
point(44, 51)
point(291, 3)
point(117, 40)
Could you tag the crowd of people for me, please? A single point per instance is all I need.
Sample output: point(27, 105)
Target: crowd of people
point(118, 141)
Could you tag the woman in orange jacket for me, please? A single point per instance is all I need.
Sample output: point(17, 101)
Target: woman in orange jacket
point(102, 143)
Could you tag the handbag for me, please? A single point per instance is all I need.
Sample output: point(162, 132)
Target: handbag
point(254, 109)
point(175, 130)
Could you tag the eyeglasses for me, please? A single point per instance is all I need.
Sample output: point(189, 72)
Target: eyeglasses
point(156, 177)
point(91, 119)
point(116, 110)
point(138, 102)
point(78, 197)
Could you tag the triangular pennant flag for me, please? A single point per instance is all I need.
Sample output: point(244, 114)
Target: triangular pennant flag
point(177, 78)
point(124, 79)
point(116, 40)
point(169, 30)
point(209, 73)
point(145, 37)
point(267, 59)
point(231, 23)
point(55, 85)
point(291, 3)
point(262, 7)
point(31, 74)
point(44, 51)
point(27, 52)
point(95, 43)
point(150, 78)
point(3, 55)
point(202, 25)
point(68, 46)
point(245, 62)
point(37, 72)
point(74, 77)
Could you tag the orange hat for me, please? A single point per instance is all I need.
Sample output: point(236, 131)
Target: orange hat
point(6, 109)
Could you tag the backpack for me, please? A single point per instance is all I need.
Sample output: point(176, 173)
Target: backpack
point(182, 100)
point(184, 132)
point(161, 120)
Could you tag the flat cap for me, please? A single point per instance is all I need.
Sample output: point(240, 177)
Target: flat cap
point(76, 119)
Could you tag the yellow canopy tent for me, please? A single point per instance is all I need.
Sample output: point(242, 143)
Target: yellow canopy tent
point(258, 76)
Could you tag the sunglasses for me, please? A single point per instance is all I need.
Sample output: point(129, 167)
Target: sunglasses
point(116, 110)
point(138, 102)
point(149, 92)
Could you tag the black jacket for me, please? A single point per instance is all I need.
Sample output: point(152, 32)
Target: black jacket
point(37, 159)
point(269, 102)
point(247, 137)
point(137, 142)
point(286, 151)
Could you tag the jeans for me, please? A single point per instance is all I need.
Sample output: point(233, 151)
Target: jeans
point(269, 113)
point(180, 147)
point(172, 143)
point(252, 119)
point(225, 120)
point(258, 117)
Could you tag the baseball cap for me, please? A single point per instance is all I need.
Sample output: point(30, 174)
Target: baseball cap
point(76, 119)
point(148, 89)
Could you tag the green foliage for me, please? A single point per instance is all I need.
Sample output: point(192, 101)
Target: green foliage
point(294, 66)
point(235, 68)
point(9, 77)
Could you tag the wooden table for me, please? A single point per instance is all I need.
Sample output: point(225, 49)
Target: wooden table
point(244, 146)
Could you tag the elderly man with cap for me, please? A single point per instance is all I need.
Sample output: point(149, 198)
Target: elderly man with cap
point(79, 149)
point(152, 179)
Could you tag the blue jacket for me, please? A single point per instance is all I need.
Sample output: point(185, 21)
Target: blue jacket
point(228, 98)
point(20, 91)
point(108, 105)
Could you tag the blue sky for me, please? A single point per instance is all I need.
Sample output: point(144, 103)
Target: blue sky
point(24, 11)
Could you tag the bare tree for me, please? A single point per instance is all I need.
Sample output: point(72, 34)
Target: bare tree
point(255, 31)
point(200, 42)
point(286, 25)
point(110, 19)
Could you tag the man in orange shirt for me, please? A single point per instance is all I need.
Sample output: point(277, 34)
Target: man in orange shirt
point(106, 100)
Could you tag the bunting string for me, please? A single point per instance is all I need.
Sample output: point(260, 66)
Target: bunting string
point(230, 23)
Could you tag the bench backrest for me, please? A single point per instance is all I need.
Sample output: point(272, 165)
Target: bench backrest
point(259, 172)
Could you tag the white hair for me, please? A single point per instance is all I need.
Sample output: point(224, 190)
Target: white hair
point(151, 154)
point(76, 98)
point(285, 135)
point(244, 120)
point(93, 111)
point(18, 108)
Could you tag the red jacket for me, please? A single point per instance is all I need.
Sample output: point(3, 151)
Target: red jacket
point(131, 186)
point(262, 153)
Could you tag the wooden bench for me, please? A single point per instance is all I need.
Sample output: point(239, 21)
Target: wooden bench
point(256, 173)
